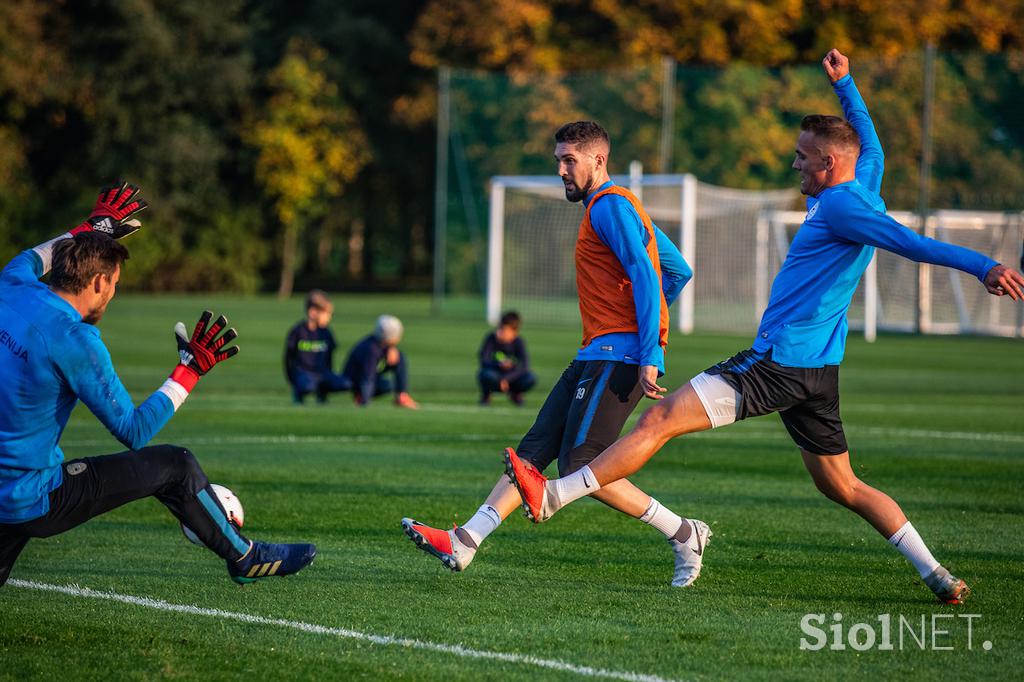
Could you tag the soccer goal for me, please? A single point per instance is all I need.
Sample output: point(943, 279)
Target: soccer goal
point(533, 235)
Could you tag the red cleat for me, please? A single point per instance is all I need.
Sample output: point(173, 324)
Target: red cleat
point(531, 485)
point(443, 544)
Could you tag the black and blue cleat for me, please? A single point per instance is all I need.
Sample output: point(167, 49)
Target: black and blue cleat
point(265, 559)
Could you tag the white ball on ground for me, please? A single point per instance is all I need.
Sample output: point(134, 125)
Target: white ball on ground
point(232, 507)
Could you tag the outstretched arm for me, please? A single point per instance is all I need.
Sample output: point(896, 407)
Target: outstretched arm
point(871, 161)
point(115, 206)
point(851, 218)
point(86, 365)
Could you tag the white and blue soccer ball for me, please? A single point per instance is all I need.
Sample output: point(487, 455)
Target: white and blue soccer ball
point(232, 507)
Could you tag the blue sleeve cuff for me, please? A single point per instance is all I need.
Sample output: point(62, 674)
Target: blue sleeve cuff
point(656, 357)
point(843, 82)
point(988, 266)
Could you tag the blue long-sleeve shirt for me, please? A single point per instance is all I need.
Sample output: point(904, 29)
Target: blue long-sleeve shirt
point(619, 227)
point(805, 323)
point(50, 359)
point(309, 350)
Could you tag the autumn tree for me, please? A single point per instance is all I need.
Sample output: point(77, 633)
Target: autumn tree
point(308, 147)
point(551, 35)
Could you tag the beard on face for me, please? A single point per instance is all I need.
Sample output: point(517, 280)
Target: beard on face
point(579, 193)
point(94, 316)
point(96, 313)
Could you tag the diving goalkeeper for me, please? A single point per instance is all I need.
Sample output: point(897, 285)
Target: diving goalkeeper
point(51, 356)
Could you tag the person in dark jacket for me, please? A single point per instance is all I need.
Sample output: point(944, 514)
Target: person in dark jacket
point(504, 363)
point(375, 356)
point(309, 352)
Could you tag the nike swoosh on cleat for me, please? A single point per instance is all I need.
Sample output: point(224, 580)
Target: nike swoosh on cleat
point(700, 545)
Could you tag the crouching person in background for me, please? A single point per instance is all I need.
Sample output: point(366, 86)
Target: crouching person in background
point(504, 363)
point(309, 352)
point(373, 358)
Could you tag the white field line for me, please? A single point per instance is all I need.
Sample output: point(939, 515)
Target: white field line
point(995, 437)
point(344, 633)
point(736, 433)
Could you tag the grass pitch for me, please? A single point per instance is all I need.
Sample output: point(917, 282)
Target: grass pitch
point(938, 423)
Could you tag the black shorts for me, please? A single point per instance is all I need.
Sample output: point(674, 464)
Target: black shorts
point(95, 485)
point(807, 398)
point(583, 414)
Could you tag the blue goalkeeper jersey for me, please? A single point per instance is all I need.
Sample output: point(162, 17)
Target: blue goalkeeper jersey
point(50, 359)
point(805, 323)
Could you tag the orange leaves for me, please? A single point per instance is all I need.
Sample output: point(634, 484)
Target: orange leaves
point(561, 35)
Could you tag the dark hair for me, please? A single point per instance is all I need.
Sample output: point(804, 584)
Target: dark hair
point(77, 260)
point(317, 298)
point(510, 319)
point(583, 134)
point(832, 130)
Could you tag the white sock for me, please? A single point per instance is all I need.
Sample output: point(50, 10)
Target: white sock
point(909, 543)
point(662, 518)
point(483, 523)
point(562, 491)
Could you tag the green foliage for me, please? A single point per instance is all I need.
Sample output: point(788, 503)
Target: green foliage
point(213, 262)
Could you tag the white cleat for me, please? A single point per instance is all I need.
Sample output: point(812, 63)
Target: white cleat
point(947, 587)
point(690, 558)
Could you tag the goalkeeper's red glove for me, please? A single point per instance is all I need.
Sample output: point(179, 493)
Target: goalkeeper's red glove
point(204, 350)
point(113, 213)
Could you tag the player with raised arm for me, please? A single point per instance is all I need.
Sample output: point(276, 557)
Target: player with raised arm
point(793, 366)
point(627, 273)
point(52, 357)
